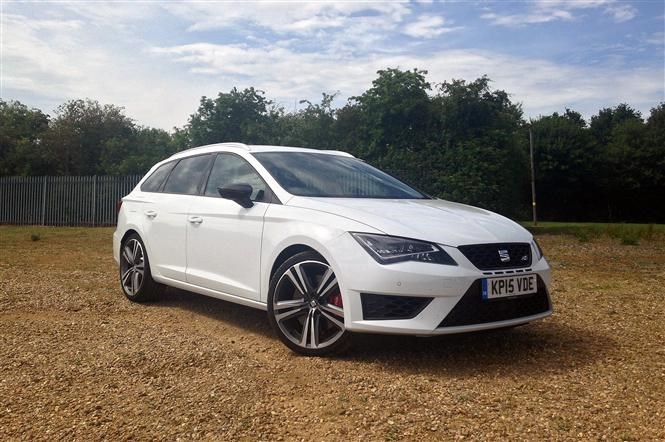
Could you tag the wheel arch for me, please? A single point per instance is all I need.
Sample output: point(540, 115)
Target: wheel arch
point(287, 249)
point(129, 229)
point(287, 253)
point(129, 232)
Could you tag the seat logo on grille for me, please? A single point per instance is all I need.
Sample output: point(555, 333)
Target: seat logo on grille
point(503, 255)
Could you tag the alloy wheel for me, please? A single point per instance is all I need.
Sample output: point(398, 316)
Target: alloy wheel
point(307, 305)
point(132, 266)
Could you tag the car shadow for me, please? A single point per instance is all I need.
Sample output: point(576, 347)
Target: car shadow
point(542, 348)
point(251, 319)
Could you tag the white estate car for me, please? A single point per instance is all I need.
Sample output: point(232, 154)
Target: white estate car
point(327, 244)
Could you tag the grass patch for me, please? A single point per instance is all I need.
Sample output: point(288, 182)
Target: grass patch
point(627, 234)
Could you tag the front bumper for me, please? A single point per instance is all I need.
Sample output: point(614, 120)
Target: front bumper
point(359, 275)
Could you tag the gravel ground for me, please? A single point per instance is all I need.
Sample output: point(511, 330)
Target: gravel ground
point(79, 362)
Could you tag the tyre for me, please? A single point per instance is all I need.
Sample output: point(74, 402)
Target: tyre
point(305, 306)
point(135, 277)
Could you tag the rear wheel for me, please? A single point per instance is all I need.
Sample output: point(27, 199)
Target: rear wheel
point(135, 277)
point(305, 306)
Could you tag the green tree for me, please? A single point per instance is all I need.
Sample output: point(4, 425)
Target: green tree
point(565, 166)
point(635, 168)
point(461, 140)
point(478, 156)
point(655, 146)
point(138, 153)
point(313, 126)
point(348, 129)
point(83, 133)
point(244, 116)
point(603, 124)
point(395, 115)
point(617, 137)
point(21, 132)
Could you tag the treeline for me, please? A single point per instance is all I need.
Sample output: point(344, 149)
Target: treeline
point(457, 140)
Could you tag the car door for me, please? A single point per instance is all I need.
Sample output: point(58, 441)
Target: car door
point(224, 238)
point(165, 217)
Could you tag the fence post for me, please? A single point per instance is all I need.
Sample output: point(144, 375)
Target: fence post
point(94, 200)
point(44, 179)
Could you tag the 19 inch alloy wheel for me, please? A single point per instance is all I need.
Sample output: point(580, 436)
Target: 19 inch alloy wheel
point(305, 306)
point(135, 277)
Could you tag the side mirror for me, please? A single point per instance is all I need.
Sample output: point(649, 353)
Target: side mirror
point(240, 193)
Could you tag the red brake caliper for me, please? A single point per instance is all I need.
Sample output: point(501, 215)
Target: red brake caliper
point(336, 300)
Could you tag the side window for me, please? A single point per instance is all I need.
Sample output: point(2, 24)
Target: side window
point(187, 175)
point(154, 181)
point(231, 169)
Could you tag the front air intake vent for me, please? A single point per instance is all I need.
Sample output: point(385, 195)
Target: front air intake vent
point(392, 307)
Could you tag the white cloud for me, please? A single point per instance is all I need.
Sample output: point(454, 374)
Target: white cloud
point(70, 62)
point(544, 11)
point(332, 26)
point(541, 85)
point(285, 16)
point(621, 13)
point(512, 20)
point(428, 26)
point(295, 55)
point(572, 4)
point(657, 38)
point(104, 13)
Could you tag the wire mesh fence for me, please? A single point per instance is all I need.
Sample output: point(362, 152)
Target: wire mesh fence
point(63, 200)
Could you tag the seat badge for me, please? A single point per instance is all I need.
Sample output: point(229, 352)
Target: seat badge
point(503, 255)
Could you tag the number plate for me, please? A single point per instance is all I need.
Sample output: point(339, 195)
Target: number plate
point(509, 286)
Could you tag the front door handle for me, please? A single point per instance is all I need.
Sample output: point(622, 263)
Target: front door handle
point(150, 213)
point(195, 219)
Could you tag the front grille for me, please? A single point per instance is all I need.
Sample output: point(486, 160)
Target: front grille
point(498, 256)
point(392, 307)
point(473, 309)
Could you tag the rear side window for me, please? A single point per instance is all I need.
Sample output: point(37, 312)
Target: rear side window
point(154, 181)
point(187, 174)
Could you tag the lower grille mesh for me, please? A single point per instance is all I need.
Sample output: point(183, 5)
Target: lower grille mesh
point(392, 307)
point(473, 309)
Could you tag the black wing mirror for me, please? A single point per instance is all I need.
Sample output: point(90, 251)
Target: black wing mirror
point(240, 193)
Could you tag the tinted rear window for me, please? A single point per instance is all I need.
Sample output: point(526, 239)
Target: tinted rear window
point(154, 181)
point(187, 174)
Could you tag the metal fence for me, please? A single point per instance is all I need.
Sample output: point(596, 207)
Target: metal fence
point(63, 200)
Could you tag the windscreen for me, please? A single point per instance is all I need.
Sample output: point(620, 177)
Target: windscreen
point(325, 175)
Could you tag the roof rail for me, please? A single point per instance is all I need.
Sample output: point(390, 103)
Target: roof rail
point(191, 149)
point(234, 144)
point(339, 152)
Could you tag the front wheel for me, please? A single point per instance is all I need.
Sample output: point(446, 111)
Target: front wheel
point(305, 306)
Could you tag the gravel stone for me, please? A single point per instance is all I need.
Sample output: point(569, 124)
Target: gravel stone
point(80, 362)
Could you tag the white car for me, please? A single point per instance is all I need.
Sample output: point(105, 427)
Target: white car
point(327, 244)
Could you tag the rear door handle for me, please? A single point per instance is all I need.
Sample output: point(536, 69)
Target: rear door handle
point(150, 213)
point(195, 219)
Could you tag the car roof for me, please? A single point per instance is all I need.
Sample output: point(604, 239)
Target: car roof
point(240, 147)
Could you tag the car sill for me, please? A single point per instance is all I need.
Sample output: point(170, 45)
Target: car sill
point(211, 293)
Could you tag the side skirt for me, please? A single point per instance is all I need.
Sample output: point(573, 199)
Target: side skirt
point(212, 293)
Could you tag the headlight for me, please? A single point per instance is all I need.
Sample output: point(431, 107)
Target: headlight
point(390, 249)
point(539, 251)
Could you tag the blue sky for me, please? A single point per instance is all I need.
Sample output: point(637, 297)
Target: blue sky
point(157, 58)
